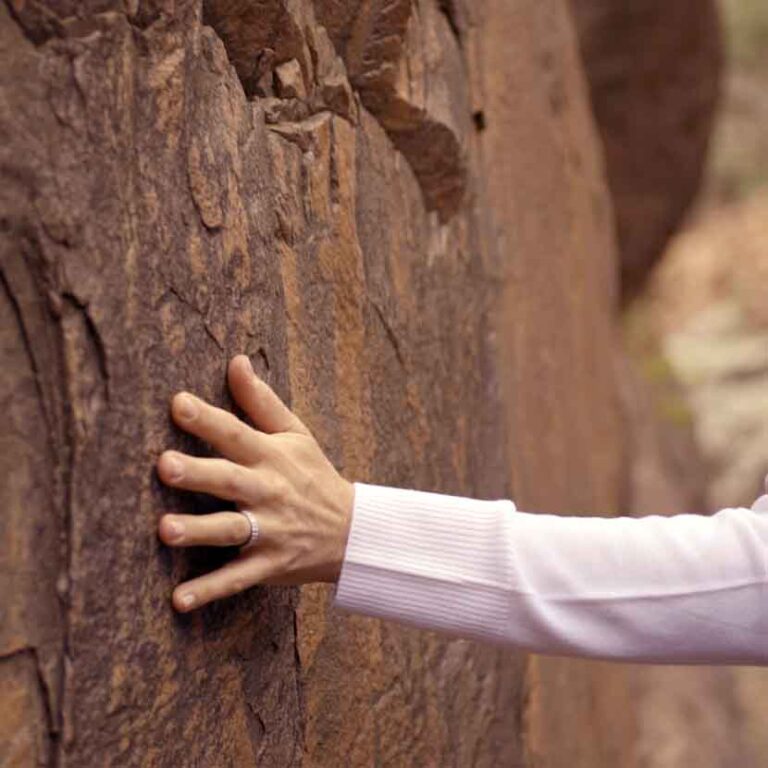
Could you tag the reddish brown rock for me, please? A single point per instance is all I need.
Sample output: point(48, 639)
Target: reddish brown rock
point(654, 70)
point(404, 60)
point(438, 309)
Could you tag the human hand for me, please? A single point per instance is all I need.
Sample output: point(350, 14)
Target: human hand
point(276, 470)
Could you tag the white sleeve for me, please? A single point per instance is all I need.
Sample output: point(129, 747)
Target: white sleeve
point(683, 589)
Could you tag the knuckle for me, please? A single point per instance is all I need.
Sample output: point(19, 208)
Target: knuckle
point(269, 450)
point(304, 548)
point(277, 488)
point(234, 434)
point(234, 481)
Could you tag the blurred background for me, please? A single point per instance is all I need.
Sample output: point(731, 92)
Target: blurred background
point(700, 329)
point(698, 340)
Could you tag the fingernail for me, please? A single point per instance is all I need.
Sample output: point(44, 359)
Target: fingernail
point(175, 530)
point(173, 468)
point(247, 364)
point(187, 601)
point(185, 407)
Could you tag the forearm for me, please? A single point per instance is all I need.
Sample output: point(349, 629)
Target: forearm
point(657, 589)
point(681, 589)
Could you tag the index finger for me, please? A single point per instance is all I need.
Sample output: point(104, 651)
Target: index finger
point(232, 437)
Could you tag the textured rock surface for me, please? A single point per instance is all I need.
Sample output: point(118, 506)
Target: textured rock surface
point(402, 220)
point(654, 69)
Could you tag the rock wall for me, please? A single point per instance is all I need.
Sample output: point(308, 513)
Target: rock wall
point(398, 211)
point(654, 70)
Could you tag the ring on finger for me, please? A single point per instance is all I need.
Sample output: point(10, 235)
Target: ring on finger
point(253, 535)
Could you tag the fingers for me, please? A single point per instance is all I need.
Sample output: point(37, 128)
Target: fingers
point(231, 578)
point(263, 407)
point(230, 436)
point(219, 529)
point(217, 477)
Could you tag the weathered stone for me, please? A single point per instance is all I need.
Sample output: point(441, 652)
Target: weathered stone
point(290, 81)
point(404, 60)
point(258, 36)
point(440, 322)
point(654, 70)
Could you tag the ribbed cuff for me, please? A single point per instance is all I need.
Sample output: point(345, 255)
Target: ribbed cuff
point(426, 559)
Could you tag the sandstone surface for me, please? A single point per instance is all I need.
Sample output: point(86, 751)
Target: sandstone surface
point(654, 69)
point(398, 212)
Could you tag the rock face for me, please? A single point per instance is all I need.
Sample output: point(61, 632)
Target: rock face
point(398, 211)
point(654, 69)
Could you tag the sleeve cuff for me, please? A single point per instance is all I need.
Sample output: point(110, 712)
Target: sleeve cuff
point(426, 559)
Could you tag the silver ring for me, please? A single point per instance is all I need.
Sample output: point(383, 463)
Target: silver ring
point(253, 536)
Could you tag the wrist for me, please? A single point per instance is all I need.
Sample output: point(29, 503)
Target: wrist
point(346, 497)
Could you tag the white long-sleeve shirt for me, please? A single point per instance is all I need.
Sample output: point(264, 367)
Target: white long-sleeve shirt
point(682, 589)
